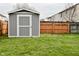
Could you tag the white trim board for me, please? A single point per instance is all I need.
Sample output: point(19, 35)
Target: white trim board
point(8, 28)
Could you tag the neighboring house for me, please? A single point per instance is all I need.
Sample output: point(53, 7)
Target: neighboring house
point(24, 22)
point(3, 18)
point(70, 14)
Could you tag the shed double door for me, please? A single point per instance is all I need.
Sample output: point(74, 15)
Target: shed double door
point(24, 26)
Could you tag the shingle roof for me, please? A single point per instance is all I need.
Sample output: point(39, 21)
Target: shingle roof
point(27, 9)
point(2, 15)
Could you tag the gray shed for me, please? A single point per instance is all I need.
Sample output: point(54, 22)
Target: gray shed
point(24, 22)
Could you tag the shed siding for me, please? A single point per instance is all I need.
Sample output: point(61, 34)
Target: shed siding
point(35, 25)
point(12, 25)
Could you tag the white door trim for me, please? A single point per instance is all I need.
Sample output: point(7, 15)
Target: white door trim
point(30, 31)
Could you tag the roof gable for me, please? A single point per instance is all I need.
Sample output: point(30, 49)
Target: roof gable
point(27, 9)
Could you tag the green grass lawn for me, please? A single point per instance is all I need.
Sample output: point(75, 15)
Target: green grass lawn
point(46, 45)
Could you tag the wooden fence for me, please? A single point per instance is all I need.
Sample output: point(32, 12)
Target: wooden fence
point(54, 27)
point(3, 27)
point(0, 29)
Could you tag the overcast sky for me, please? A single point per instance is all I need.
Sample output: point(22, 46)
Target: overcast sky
point(45, 9)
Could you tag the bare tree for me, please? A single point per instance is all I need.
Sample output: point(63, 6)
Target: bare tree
point(67, 5)
point(69, 13)
point(21, 5)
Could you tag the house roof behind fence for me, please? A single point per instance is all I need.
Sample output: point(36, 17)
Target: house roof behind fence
point(2, 15)
point(64, 10)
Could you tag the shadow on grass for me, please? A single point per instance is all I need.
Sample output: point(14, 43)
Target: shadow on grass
point(4, 37)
